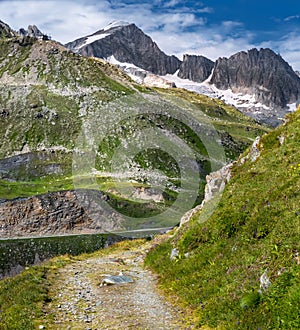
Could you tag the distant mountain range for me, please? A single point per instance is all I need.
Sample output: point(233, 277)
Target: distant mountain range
point(259, 83)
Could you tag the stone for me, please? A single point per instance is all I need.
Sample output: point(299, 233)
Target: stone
point(264, 281)
point(215, 184)
point(54, 213)
point(255, 151)
point(116, 279)
point(281, 139)
point(6, 31)
point(33, 32)
point(174, 254)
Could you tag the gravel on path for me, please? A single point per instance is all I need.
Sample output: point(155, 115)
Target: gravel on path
point(81, 301)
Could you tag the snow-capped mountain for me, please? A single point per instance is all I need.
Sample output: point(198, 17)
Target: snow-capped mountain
point(258, 82)
point(127, 43)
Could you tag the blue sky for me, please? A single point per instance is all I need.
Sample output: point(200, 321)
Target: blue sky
point(211, 28)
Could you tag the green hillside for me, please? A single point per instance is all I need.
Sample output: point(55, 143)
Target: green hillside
point(64, 117)
point(252, 237)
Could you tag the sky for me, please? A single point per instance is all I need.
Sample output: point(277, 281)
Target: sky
point(212, 28)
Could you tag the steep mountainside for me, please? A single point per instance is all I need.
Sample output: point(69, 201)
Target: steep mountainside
point(195, 68)
point(240, 268)
point(259, 72)
point(127, 43)
point(64, 118)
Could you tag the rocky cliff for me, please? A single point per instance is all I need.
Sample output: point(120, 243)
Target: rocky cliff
point(127, 43)
point(195, 68)
point(62, 212)
point(260, 72)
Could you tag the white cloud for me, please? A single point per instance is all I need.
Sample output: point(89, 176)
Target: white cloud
point(289, 18)
point(207, 43)
point(63, 20)
point(205, 10)
point(229, 25)
point(172, 3)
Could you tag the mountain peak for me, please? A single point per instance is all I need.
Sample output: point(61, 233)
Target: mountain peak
point(128, 44)
point(255, 71)
point(116, 24)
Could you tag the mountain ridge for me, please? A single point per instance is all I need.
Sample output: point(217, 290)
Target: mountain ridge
point(262, 74)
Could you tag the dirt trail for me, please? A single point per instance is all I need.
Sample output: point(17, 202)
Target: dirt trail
point(80, 302)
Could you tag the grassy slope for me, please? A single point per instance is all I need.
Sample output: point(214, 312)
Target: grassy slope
point(255, 229)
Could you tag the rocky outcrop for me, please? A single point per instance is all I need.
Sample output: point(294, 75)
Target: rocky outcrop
point(31, 165)
point(63, 212)
point(255, 151)
point(259, 72)
point(195, 68)
point(33, 32)
point(6, 31)
point(128, 44)
point(215, 184)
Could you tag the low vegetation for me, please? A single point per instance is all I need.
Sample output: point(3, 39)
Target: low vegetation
point(241, 268)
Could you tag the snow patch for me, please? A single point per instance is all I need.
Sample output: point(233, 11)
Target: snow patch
point(93, 38)
point(115, 24)
point(238, 100)
point(111, 59)
point(292, 106)
point(139, 75)
point(134, 72)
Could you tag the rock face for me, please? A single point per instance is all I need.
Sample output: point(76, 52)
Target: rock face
point(195, 68)
point(215, 184)
point(6, 31)
point(127, 43)
point(259, 72)
point(33, 32)
point(63, 212)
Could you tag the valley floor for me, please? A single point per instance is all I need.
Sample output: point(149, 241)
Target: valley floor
point(78, 301)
